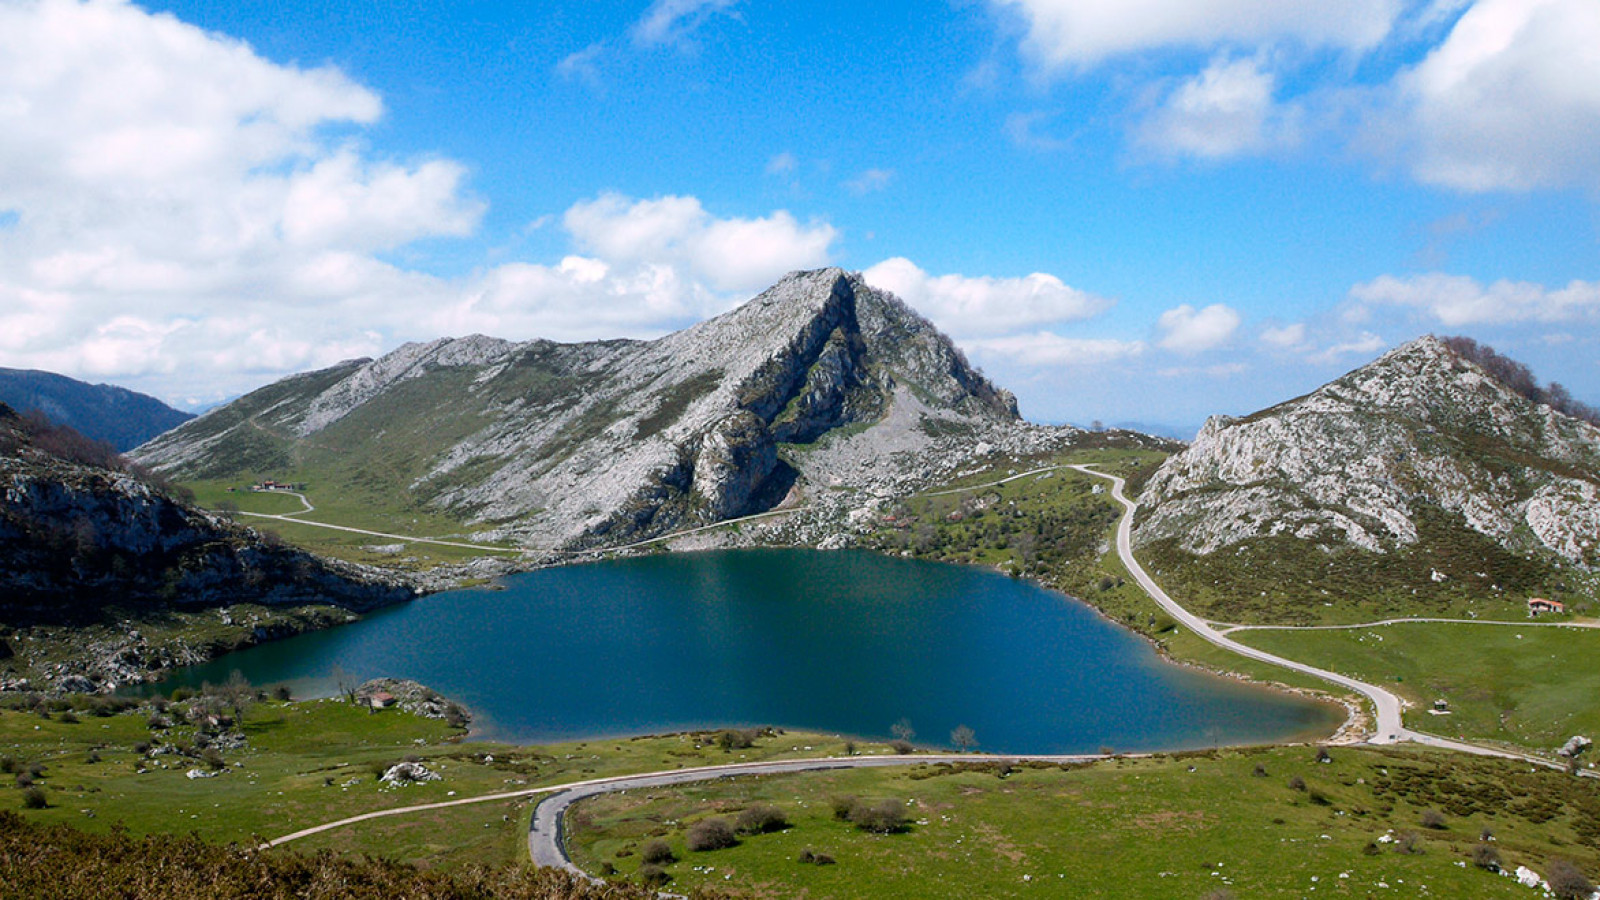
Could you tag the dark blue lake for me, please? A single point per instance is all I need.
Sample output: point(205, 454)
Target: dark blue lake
point(845, 642)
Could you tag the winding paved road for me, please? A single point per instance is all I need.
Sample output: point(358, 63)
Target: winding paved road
point(1390, 727)
point(546, 843)
point(544, 837)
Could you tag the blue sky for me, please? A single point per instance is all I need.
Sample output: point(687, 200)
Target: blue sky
point(1147, 211)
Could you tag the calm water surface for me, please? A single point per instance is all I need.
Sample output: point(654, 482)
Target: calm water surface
point(846, 642)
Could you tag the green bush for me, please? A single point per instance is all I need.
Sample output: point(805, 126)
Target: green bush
point(34, 798)
point(652, 876)
point(882, 817)
point(657, 852)
point(762, 818)
point(711, 834)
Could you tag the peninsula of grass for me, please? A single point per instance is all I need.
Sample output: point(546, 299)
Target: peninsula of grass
point(1250, 823)
point(1528, 686)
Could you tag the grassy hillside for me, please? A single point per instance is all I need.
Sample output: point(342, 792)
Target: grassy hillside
point(1289, 580)
point(1258, 823)
point(1531, 687)
point(305, 763)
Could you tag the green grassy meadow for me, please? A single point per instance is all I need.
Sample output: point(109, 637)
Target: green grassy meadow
point(1532, 687)
point(316, 761)
point(1185, 826)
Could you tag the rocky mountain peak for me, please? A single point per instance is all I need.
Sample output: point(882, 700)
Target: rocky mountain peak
point(1358, 460)
point(607, 441)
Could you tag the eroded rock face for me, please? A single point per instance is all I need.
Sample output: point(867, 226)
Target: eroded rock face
point(74, 534)
point(1352, 462)
point(603, 443)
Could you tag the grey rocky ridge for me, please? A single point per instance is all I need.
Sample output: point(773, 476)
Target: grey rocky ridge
point(822, 392)
point(1420, 472)
point(99, 567)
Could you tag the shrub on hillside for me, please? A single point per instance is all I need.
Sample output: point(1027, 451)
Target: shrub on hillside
point(882, 817)
point(1567, 881)
point(34, 798)
point(657, 852)
point(653, 876)
point(763, 818)
point(1485, 856)
point(711, 834)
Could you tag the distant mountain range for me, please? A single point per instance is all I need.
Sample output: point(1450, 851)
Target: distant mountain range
point(1422, 473)
point(120, 417)
point(819, 390)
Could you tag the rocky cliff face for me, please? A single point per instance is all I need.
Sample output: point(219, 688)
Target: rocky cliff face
point(1355, 462)
point(818, 382)
point(87, 545)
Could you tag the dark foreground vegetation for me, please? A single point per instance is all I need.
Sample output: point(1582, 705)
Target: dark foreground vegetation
point(61, 862)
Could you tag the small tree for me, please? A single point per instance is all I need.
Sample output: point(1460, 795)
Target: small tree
point(34, 798)
point(1296, 783)
point(902, 730)
point(1567, 881)
point(964, 738)
point(1432, 818)
point(711, 834)
point(841, 807)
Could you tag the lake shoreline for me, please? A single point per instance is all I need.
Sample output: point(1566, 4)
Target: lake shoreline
point(970, 619)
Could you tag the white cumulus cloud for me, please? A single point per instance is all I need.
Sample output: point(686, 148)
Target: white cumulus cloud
point(1189, 330)
point(1226, 110)
point(177, 211)
point(1048, 349)
point(1509, 100)
point(1456, 300)
point(1288, 337)
point(1062, 34)
point(971, 306)
point(730, 254)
